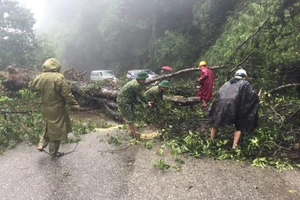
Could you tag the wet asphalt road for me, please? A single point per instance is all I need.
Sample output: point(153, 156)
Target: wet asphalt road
point(88, 174)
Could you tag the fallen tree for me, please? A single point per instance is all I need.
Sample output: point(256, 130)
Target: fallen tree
point(153, 80)
point(97, 94)
point(90, 94)
point(17, 78)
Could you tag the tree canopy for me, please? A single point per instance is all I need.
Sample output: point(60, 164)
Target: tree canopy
point(16, 33)
point(129, 34)
point(19, 45)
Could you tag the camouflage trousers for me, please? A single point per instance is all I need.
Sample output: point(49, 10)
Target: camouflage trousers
point(127, 111)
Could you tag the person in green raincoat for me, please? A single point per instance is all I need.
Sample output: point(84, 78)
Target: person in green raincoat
point(127, 97)
point(155, 95)
point(55, 94)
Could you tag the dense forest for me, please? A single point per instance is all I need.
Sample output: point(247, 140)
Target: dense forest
point(263, 37)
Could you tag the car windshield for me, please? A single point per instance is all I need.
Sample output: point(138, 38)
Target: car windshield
point(108, 73)
point(135, 72)
point(148, 71)
point(94, 73)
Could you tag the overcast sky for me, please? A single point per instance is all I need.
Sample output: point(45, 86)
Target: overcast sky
point(36, 7)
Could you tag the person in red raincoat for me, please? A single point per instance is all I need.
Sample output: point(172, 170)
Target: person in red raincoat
point(206, 82)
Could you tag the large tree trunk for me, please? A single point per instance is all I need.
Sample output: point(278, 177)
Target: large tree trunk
point(91, 94)
point(183, 100)
point(178, 73)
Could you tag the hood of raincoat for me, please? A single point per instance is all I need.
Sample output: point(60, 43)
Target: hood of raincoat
point(51, 65)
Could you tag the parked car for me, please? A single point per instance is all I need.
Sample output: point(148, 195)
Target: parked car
point(97, 75)
point(131, 74)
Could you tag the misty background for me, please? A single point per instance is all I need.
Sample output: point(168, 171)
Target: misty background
point(122, 35)
point(136, 34)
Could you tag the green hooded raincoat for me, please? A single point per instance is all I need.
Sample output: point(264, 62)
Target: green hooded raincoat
point(55, 94)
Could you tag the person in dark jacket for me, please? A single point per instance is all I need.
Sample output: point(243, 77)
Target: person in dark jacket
point(236, 103)
point(206, 82)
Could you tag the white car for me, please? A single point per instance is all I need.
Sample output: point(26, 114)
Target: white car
point(97, 75)
point(131, 74)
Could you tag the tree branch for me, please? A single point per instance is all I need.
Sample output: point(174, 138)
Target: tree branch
point(284, 86)
point(245, 59)
point(244, 42)
point(292, 116)
point(177, 73)
point(184, 100)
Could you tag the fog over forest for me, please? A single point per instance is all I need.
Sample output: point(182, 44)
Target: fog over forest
point(137, 34)
point(122, 35)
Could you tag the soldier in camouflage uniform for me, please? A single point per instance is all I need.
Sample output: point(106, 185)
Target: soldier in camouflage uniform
point(155, 95)
point(128, 95)
point(55, 95)
point(236, 103)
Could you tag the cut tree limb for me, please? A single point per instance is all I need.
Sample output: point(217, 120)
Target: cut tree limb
point(88, 88)
point(177, 73)
point(183, 100)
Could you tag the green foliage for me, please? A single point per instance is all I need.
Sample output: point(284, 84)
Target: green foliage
point(43, 49)
point(209, 17)
point(103, 124)
point(67, 174)
point(170, 118)
point(161, 164)
point(20, 121)
point(114, 140)
point(16, 33)
point(19, 46)
point(150, 33)
point(83, 127)
point(174, 49)
point(269, 145)
point(185, 130)
point(160, 152)
point(255, 149)
point(148, 144)
point(274, 43)
point(79, 128)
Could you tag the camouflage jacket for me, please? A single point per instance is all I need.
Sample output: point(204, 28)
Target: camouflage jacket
point(154, 94)
point(130, 92)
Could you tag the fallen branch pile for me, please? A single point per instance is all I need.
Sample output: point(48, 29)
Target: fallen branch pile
point(101, 94)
